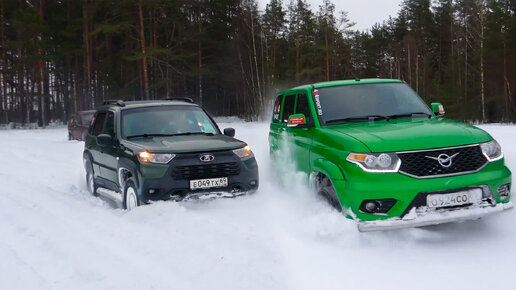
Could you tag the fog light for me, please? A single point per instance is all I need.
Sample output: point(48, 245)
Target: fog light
point(377, 206)
point(504, 190)
point(152, 191)
point(371, 206)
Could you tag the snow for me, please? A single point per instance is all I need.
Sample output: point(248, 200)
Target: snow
point(55, 235)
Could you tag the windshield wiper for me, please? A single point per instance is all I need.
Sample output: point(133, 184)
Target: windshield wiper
point(192, 133)
point(147, 135)
point(358, 118)
point(168, 135)
point(405, 115)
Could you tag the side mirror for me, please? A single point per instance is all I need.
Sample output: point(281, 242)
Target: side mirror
point(229, 132)
point(438, 109)
point(104, 140)
point(296, 120)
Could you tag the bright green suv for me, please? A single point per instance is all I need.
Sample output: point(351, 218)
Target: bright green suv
point(377, 152)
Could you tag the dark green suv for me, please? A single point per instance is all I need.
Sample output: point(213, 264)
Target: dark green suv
point(137, 152)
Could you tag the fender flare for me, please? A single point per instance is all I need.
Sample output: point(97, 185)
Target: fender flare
point(127, 170)
point(327, 168)
point(87, 161)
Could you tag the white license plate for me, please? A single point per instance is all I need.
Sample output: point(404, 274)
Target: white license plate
point(472, 196)
point(208, 183)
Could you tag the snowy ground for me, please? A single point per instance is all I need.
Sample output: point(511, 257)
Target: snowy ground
point(54, 235)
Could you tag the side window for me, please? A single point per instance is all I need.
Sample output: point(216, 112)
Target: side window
point(288, 107)
point(302, 107)
point(277, 110)
point(109, 128)
point(99, 124)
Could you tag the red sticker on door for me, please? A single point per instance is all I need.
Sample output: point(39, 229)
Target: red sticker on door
point(296, 120)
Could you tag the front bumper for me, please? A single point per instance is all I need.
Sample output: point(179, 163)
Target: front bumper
point(417, 218)
point(173, 181)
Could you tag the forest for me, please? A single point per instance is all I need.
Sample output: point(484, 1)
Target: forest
point(61, 56)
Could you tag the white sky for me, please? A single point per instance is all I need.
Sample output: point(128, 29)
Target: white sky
point(364, 13)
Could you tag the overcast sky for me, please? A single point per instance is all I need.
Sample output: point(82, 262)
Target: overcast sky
point(364, 13)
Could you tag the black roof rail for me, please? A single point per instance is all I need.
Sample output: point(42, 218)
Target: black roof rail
point(184, 99)
point(119, 103)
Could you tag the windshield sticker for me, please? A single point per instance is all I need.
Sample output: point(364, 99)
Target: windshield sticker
point(317, 103)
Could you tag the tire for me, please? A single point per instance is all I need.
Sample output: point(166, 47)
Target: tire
point(90, 183)
point(325, 189)
point(70, 137)
point(131, 199)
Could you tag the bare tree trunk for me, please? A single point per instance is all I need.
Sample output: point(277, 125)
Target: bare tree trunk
point(482, 93)
point(3, 65)
point(87, 56)
point(144, 52)
point(409, 68)
point(41, 68)
point(255, 59)
point(327, 55)
point(199, 52)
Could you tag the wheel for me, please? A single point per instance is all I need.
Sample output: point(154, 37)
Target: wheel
point(70, 137)
point(325, 188)
point(131, 199)
point(90, 183)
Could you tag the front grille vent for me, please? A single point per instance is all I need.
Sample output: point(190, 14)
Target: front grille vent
point(425, 164)
point(191, 172)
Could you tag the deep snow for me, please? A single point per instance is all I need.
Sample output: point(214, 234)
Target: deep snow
point(55, 235)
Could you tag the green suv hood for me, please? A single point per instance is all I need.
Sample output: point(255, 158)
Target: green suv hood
point(411, 134)
point(188, 144)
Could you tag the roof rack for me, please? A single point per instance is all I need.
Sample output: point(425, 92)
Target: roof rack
point(185, 99)
point(119, 103)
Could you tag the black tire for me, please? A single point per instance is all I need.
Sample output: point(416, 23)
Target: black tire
point(130, 196)
point(70, 137)
point(325, 189)
point(91, 184)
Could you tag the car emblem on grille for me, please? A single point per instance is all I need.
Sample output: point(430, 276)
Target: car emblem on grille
point(207, 157)
point(444, 159)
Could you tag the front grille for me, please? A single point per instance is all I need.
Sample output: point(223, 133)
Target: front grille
point(206, 171)
point(418, 164)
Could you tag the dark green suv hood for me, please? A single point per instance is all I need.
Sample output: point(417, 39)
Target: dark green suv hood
point(187, 144)
point(410, 134)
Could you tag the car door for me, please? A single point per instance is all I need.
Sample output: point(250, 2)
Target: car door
point(109, 154)
point(91, 143)
point(301, 136)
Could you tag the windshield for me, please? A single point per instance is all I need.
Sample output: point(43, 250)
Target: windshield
point(166, 120)
point(355, 103)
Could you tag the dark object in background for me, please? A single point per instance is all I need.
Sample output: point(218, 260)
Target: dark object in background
point(79, 124)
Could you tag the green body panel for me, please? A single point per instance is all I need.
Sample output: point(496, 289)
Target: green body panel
point(323, 149)
point(408, 134)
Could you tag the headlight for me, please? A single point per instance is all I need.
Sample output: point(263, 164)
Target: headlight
point(376, 162)
point(162, 158)
point(492, 150)
point(244, 152)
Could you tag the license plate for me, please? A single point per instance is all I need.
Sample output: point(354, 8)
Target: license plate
point(472, 196)
point(208, 183)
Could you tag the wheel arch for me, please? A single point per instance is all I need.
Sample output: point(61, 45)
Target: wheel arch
point(328, 168)
point(127, 170)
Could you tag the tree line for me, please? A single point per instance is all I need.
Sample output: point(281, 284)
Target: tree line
point(62, 56)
